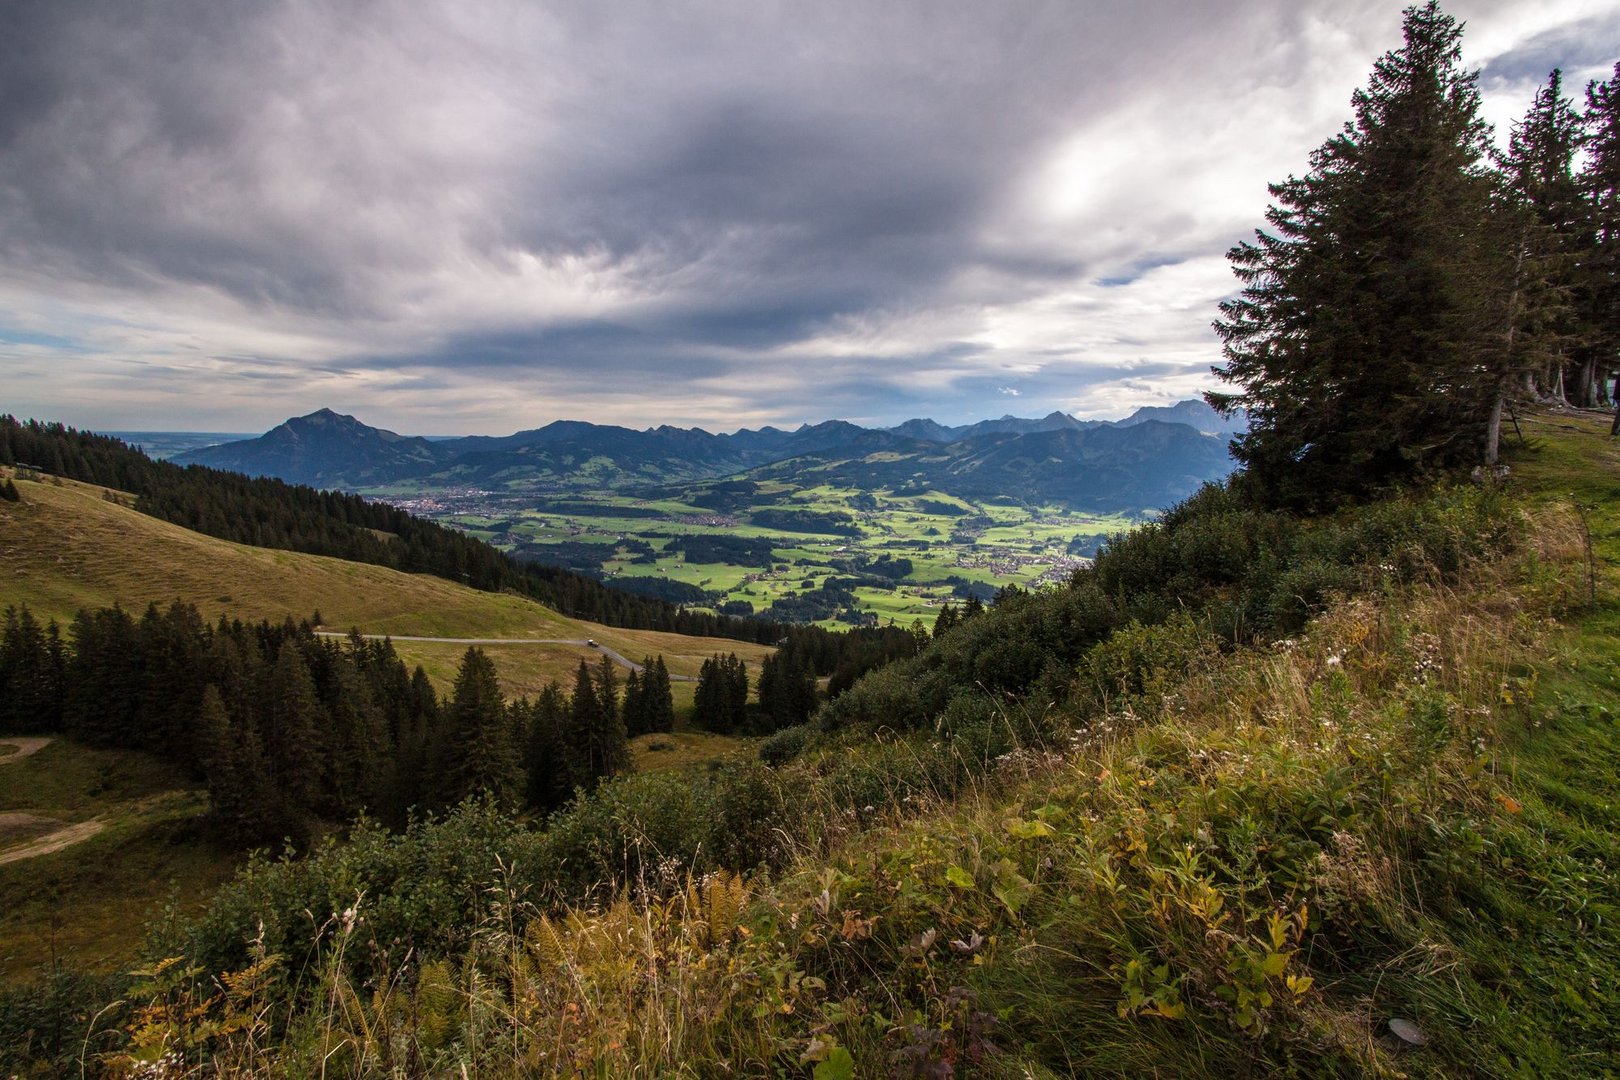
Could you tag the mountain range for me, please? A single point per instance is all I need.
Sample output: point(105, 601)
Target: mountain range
point(1152, 458)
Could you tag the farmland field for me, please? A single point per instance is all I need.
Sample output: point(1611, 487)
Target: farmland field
point(830, 555)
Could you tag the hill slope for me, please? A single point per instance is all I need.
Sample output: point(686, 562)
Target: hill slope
point(68, 545)
point(1198, 858)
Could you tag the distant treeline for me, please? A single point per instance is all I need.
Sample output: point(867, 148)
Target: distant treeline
point(271, 513)
point(289, 728)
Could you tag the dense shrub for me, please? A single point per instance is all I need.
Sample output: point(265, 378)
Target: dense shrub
point(786, 744)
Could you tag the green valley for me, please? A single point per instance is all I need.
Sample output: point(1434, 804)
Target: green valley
point(829, 555)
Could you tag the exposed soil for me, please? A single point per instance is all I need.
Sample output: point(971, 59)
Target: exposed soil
point(26, 746)
point(17, 824)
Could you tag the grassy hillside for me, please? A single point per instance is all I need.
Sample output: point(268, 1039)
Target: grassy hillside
point(1385, 846)
point(69, 545)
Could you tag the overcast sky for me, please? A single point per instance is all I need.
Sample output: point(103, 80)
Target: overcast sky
point(458, 217)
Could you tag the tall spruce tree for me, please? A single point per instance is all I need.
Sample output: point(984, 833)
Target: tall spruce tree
point(546, 761)
point(289, 719)
point(596, 736)
point(1600, 276)
point(1366, 342)
point(480, 753)
point(1545, 224)
point(634, 709)
point(658, 700)
point(242, 807)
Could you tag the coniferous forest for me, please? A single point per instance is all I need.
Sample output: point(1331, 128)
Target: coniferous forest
point(289, 729)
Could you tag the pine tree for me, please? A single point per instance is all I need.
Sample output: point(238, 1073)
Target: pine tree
point(31, 675)
point(357, 744)
point(607, 690)
point(290, 718)
point(1599, 293)
point(243, 808)
point(611, 746)
point(479, 752)
point(1367, 340)
point(1545, 224)
point(599, 747)
point(634, 709)
point(787, 691)
point(550, 778)
point(660, 698)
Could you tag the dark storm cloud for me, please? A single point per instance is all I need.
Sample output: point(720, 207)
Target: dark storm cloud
point(761, 210)
point(1578, 46)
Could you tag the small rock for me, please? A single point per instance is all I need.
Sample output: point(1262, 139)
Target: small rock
point(1407, 1032)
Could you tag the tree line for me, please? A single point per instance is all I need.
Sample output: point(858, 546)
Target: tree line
point(288, 728)
point(1416, 282)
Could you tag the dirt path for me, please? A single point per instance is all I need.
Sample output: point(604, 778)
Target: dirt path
point(25, 744)
point(66, 836)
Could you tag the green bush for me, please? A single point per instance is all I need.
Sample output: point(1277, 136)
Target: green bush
point(786, 744)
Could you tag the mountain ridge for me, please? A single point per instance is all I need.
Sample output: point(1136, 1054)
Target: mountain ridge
point(1077, 462)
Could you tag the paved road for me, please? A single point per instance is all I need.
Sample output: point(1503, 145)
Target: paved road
point(581, 642)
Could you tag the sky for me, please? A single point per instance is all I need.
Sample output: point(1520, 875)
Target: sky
point(478, 216)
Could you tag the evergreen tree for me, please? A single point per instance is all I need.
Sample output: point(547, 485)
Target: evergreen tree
point(736, 691)
point(659, 698)
point(31, 675)
point(1545, 225)
point(1600, 275)
point(1367, 340)
point(104, 679)
point(787, 691)
point(721, 701)
point(9, 492)
point(290, 716)
point(241, 805)
point(357, 744)
point(479, 752)
point(634, 709)
point(550, 779)
point(607, 691)
point(598, 744)
point(411, 784)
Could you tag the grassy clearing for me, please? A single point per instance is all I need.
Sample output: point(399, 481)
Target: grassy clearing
point(89, 905)
point(685, 749)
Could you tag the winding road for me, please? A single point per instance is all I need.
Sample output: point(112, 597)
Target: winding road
point(584, 643)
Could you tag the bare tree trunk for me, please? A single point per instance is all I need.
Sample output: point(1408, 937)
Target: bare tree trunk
point(1615, 429)
point(1586, 393)
point(1493, 428)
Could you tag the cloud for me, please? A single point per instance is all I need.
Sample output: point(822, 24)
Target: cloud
point(455, 216)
